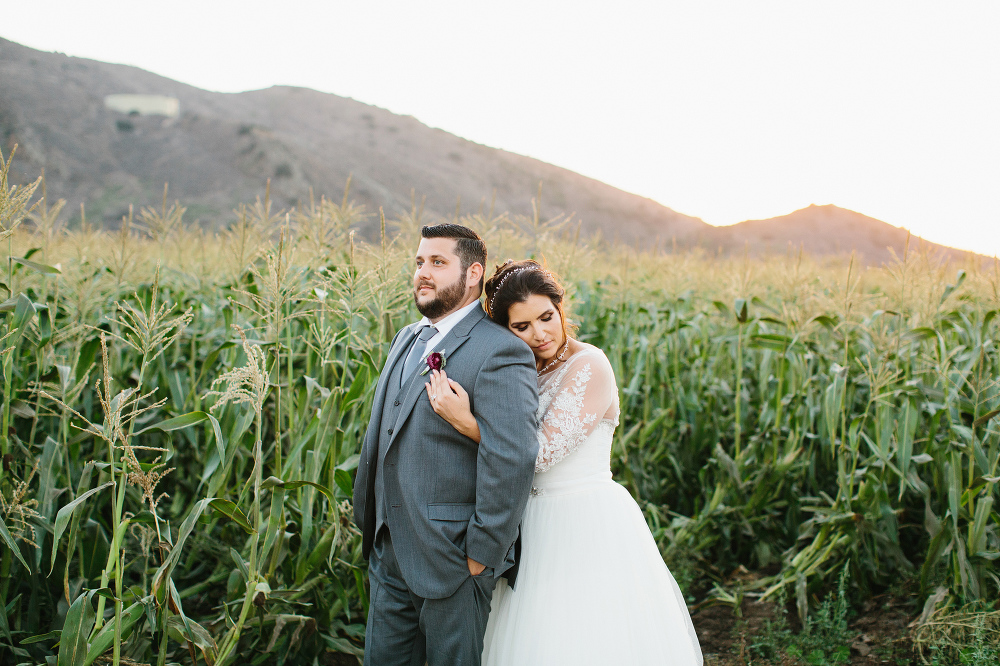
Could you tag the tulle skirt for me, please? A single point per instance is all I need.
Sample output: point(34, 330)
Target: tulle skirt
point(592, 588)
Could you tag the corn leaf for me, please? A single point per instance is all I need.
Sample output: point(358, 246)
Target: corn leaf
point(274, 482)
point(106, 636)
point(35, 266)
point(62, 518)
point(229, 508)
point(985, 418)
point(77, 627)
point(14, 548)
point(176, 423)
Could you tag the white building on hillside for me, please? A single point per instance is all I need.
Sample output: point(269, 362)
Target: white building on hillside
point(144, 105)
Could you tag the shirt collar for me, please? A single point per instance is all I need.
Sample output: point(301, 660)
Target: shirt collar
point(445, 325)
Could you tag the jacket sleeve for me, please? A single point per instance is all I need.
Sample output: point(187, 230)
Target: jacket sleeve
point(506, 399)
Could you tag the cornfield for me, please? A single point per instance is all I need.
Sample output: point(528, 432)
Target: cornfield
point(183, 409)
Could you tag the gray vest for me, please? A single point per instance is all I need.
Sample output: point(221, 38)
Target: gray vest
point(390, 411)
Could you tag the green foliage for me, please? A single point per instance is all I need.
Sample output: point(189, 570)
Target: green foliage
point(824, 639)
point(948, 633)
point(814, 427)
point(983, 651)
point(182, 413)
point(777, 636)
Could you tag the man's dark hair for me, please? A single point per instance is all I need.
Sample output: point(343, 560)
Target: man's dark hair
point(469, 246)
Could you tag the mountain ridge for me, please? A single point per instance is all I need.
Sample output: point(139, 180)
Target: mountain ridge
point(855, 232)
point(223, 147)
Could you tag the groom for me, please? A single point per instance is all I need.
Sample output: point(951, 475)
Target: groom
point(440, 513)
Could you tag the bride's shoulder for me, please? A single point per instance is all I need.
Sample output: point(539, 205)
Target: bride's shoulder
point(589, 352)
point(587, 355)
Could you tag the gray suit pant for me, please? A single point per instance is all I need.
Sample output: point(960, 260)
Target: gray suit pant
point(407, 630)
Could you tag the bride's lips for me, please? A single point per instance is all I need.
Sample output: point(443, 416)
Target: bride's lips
point(544, 346)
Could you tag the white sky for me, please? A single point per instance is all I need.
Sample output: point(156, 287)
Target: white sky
point(725, 110)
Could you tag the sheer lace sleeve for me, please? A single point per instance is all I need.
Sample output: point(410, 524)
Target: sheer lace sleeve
point(572, 403)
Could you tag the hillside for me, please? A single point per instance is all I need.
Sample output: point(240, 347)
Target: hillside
point(823, 230)
point(220, 149)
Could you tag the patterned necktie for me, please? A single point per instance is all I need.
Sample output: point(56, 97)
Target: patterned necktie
point(416, 352)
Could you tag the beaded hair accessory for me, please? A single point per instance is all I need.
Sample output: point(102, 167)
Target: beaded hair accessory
point(504, 279)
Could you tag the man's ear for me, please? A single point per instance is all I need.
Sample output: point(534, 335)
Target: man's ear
point(474, 275)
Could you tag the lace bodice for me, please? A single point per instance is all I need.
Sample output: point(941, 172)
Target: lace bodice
point(576, 401)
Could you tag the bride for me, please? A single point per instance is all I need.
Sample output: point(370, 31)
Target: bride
point(592, 587)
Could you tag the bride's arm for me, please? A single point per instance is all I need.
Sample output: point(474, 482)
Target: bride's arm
point(586, 395)
point(451, 402)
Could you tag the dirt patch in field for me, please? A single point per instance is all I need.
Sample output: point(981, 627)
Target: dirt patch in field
point(338, 659)
point(725, 634)
point(879, 633)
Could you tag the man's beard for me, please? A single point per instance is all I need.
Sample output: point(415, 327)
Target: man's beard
point(448, 298)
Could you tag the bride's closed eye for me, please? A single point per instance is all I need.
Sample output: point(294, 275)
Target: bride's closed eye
point(523, 326)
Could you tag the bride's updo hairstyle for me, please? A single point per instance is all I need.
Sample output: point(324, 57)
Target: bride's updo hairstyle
point(514, 281)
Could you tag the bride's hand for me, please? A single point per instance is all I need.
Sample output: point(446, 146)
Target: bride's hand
point(451, 402)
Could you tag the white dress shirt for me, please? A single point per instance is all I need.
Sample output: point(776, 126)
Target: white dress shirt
point(444, 327)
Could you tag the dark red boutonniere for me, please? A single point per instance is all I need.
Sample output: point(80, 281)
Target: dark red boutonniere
point(435, 361)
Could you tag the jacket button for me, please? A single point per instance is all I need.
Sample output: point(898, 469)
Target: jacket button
point(396, 404)
point(390, 431)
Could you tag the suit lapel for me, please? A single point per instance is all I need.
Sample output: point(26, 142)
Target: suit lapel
point(414, 386)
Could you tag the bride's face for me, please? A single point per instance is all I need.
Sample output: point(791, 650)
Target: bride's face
point(537, 322)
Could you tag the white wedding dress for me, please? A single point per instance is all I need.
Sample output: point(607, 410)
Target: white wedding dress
point(592, 587)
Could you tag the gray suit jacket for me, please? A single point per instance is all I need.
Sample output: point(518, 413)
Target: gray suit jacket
point(446, 497)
